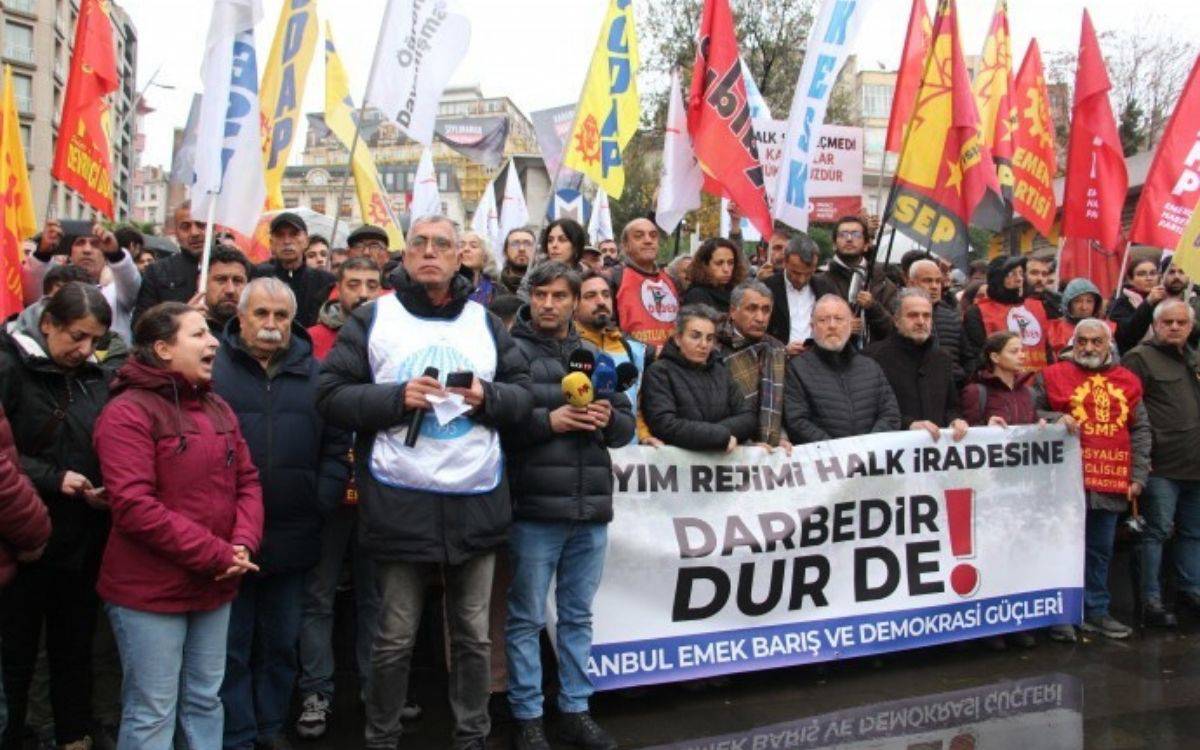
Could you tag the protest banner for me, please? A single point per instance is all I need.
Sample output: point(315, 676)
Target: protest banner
point(835, 174)
point(720, 564)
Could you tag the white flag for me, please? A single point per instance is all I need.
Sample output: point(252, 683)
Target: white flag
point(486, 222)
point(600, 224)
point(829, 43)
point(420, 45)
point(682, 178)
point(426, 201)
point(513, 211)
point(229, 168)
point(759, 109)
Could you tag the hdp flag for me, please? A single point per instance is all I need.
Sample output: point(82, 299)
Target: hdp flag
point(82, 158)
point(994, 92)
point(608, 111)
point(719, 118)
point(17, 221)
point(946, 179)
point(1033, 160)
point(282, 90)
point(1172, 186)
point(373, 200)
point(908, 78)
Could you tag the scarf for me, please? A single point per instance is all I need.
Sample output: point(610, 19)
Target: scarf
point(757, 368)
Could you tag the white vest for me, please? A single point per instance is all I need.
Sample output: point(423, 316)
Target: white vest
point(463, 457)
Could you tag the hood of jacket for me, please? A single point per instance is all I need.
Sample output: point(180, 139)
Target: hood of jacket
point(672, 352)
point(987, 377)
point(1076, 288)
point(332, 315)
point(29, 343)
point(416, 300)
point(168, 383)
point(997, 270)
point(550, 347)
point(294, 360)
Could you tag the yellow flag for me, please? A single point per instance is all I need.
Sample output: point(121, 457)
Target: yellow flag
point(608, 111)
point(17, 221)
point(282, 90)
point(373, 200)
point(1187, 252)
point(994, 91)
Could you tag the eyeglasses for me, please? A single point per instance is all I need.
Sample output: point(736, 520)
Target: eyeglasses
point(369, 245)
point(520, 243)
point(850, 234)
point(441, 244)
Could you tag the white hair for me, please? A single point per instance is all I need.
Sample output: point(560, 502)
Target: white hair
point(1159, 309)
point(270, 286)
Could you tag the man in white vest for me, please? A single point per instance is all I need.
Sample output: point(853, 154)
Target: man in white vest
point(438, 507)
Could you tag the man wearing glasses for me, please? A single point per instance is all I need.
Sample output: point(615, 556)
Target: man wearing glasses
point(438, 506)
point(518, 250)
point(871, 303)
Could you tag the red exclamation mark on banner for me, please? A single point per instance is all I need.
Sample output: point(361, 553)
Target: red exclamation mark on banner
point(960, 517)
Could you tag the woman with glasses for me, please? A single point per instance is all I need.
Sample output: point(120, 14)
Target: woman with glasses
point(1133, 310)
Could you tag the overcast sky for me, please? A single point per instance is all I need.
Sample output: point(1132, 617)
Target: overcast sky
point(536, 51)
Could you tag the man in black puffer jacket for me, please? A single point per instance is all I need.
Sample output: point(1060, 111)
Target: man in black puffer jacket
point(562, 501)
point(266, 371)
point(832, 391)
point(174, 278)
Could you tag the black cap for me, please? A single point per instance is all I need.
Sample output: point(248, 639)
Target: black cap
point(288, 219)
point(368, 232)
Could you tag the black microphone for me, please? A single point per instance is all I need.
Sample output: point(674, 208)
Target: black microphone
point(627, 376)
point(414, 419)
point(581, 360)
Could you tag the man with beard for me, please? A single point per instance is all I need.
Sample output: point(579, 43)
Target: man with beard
point(1101, 401)
point(919, 371)
point(359, 281)
point(852, 239)
point(1080, 300)
point(831, 390)
point(228, 272)
point(289, 238)
point(795, 292)
point(1007, 309)
point(1040, 285)
point(518, 251)
point(756, 359)
point(1177, 285)
point(174, 278)
point(926, 275)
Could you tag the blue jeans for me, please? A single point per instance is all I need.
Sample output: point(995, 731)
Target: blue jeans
point(316, 624)
point(1101, 530)
point(540, 551)
point(261, 664)
point(173, 665)
point(1168, 503)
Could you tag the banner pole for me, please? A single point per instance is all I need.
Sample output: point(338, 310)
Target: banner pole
point(208, 240)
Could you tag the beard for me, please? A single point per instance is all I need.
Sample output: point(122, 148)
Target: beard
point(831, 344)
point(1091, 361)
point(917, 337)
point(601, 319)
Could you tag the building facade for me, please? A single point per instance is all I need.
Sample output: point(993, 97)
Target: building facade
point(150, 196)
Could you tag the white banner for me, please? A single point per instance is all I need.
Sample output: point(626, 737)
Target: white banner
point(426, 200)
point(730, 563)
point(830, 42)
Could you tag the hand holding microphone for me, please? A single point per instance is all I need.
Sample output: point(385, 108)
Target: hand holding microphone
point(415, 392)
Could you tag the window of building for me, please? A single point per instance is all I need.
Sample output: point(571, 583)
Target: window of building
point(291, 201)
point(317, 204)
point(26, 135)
point(443, 182)
point(876, 100)
point(23, 92)
point(346, 210)
point(18, 42)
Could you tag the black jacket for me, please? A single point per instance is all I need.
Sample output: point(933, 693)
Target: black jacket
point(716, 297)
point(52, 412)
point(1171, 392)
point(697, 407)
point(948, 333)
point(830, 395)
point(879, 319)
point(921, 377)
point(399, 524)
point(310, 285)
point(780, 325)
point(567, 476)
point(300, 458)
point(171, 279)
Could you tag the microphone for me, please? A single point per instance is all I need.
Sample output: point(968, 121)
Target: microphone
point(577, 389)
point(604, 377)
point(627, 376)
point(414, 419)
point(581, 360)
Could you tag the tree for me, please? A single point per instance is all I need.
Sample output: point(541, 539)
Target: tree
point(1131, 128)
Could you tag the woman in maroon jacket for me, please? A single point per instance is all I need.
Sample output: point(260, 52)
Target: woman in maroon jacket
point(24, 520)
point(999, 394)
point(187, 513)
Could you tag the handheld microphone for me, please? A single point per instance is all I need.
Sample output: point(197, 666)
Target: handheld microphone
point(604, 377)
point(414, 419)
point(627, 376)
point(581, 360)
point(577, 389)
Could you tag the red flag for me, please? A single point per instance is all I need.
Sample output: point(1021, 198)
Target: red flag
point(1034, 161)
point(1173, 183)
point(1089, 260)
point(719, 119)
point(908, 79)
point(81, 159)
point(1096, 178)
point(993, 94)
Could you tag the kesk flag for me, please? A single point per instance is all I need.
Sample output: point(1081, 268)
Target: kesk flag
point(82, 158)
point(600, 226)
point(373, 200)
point(426, 200)
point(17, 221)
point(420, 45)
point(908, 79)
point(946, 179)
point(829, 44)
point(1096, 180)
point(282, 89)
point(608, 111)
point(1173, 183)
point(994, 92)
point(681, 180)
point(719, 118)
point(1034, 161)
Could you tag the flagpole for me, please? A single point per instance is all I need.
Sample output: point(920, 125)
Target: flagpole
point(208, 240)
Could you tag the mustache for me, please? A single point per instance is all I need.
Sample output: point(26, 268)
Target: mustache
point(269, 337)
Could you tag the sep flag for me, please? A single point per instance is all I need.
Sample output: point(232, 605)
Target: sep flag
point(420, 44)
point(282, 89)
point(82, 158)
point(908, 78)
point(17, 221)
point(608, 111)
point(1172, 186)
point(719, 118)
point(1034, 161)
point(830, 42)
point(946, 179)
point(373, 200)
point(994, 92)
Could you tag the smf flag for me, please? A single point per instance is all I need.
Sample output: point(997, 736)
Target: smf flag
point(229, 166)
point(485, 222)
point(17, 221)
point(830, 43)
point(600, 226)
point(908, 79)
point(682, 179)
point(608, 111)
point(426, 200)
point(82, 158)
point(994, 95)
point(283, 89)
point(946, 179)
point(373, 200)
point(420, 45)
point(1034, 161)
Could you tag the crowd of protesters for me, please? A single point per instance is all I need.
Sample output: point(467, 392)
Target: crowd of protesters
point(187, 465)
